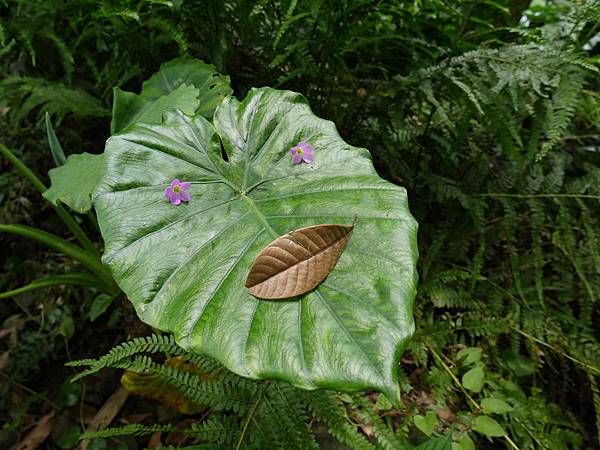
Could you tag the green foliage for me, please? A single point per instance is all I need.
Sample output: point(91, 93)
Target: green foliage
point(426, 423)
point(487, 112)
point(36, 345)
point(74, 182)
point(212, 86)
point(246, 413)
point(237, 207)
point(488, 427)
point(25, 94)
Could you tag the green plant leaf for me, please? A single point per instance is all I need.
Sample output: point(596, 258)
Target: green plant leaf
point(468, 356)
point(98, 444)
point(129, 108)
point(70, 393)
point(488, 427)
point(495, 405)
point(67, 326)
point(184, 267)
point(473, 379)
point(519, 364)
point(56, 149)
point(83, 279)
point(67, 438)
point(189, 85)
point(186, 84)
point(212, 86)
point(438, 443)
point(74, 182)
point(383, 403)
point(426, 423)
point(464, 443)
point(99, 305)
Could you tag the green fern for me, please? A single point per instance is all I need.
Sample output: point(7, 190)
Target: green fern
point(245, 413)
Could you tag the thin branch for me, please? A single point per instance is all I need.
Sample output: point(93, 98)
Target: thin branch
point(559, 351)
point(492, 194)
point(464, 391)
point(251, 414)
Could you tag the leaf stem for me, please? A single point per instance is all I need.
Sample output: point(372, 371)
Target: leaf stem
point(456, 380)
point(90, 261)
point(492, 194)
point(464, 391)
point(557, 350)
point(251, 414)
point(82, 279)
point(69, 221)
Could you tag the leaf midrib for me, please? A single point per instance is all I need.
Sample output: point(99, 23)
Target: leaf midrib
point(260, 217)
point(263, 220)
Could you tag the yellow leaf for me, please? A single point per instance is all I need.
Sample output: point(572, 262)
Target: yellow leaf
point(152, 387)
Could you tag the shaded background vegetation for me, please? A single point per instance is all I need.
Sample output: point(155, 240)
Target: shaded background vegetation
point(487, 112)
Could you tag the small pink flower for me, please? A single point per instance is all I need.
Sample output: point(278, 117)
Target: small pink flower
point(302, 151)
point(177, 192)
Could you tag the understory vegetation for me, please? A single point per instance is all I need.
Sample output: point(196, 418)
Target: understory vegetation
point(486, 112)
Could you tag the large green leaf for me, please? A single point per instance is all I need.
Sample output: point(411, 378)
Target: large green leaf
point(183, 83)
point(129, 108)
point(212, 86)
point(74, 182)
point(184, 267)
point(189, 85)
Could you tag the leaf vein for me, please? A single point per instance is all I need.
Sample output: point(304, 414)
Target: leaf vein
point(122, 249)
point(222, 280)
point(349, 336)
point(323, 191)
point(198, 250)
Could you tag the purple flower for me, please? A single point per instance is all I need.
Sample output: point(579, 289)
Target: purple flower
point(177, 192)
point(302, 151)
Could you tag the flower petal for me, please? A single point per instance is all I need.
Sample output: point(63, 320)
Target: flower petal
point(305, 146)
point(307, 157)
point(169, 192)
point(185, 196)
point(176, 201)
point(294, 151)
point(175, 182)
point(185, 185)
point(297, 159)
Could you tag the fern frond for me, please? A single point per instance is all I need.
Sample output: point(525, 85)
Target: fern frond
point(217, 429)
point(385, 435)
point(134, 429)
point(122, 352)
point(327, 409)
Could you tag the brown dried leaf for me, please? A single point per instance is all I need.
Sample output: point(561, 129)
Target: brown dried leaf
point(155, 441)
point(297, 262)
point(38, 435)
point(106, 413)
point(4, 357)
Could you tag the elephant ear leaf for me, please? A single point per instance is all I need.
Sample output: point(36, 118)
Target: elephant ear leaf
point(184, 267)
point(187, 84)
point(297, 262)
point(74, 182)
point(129, 108)
point(212, 86)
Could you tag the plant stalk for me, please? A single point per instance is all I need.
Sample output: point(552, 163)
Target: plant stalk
point(67, 218)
